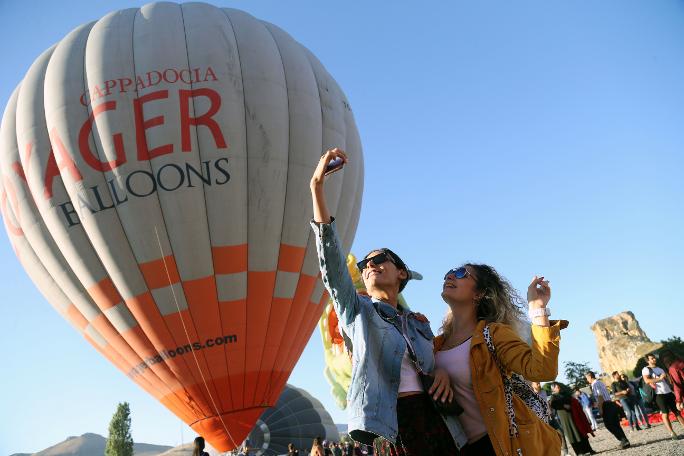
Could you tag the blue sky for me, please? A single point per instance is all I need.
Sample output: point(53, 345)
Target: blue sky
point(539, 137)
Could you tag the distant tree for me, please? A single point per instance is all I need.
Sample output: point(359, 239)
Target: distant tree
point(574, 372)
point(120, 442)
point(674, 343)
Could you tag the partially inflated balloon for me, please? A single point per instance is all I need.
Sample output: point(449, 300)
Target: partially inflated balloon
point(336, 345)
point(297, 418)
point(155, 168)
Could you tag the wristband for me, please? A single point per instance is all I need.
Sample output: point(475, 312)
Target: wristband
point(540, 312)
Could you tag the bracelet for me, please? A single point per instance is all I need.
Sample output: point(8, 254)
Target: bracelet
point(540, 312)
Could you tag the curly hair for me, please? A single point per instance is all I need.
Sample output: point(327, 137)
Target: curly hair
point(500, 302)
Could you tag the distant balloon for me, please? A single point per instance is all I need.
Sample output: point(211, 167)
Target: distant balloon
point(155, 168)
point(336, 346)
point(296, 418)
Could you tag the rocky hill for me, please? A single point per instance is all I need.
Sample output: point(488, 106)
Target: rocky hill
point(182, 450)
point(93, 445)
point(620, 342)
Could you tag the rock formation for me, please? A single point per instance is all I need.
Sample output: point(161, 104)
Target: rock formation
point(90, 444)
point(620, 342)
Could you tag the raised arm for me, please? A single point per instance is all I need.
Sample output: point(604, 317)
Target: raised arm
point(332, 260)
point(538, 362)
point(317, 184)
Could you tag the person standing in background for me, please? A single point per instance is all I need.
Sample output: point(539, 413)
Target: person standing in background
point(575, 425)
point(621, 391)
point(638, 402)
point(675, 367)
point(665, 398)
point(585, 402)
point(608, 409)
point(198, 450)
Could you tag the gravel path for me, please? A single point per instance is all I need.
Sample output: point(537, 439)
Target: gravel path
point(648, 442)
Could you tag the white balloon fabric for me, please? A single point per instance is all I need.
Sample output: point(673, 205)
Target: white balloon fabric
point(155, 168)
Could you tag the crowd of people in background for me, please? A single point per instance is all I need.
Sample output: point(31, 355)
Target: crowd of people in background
point(624, 399)
point(571, 410)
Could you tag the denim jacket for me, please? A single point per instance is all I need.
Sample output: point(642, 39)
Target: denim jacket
point(374, 328)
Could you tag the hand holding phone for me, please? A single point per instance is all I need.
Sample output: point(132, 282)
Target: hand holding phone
point(331, 161)
point(334, 165)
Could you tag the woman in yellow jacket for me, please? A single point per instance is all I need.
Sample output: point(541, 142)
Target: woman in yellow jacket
point(478, 297)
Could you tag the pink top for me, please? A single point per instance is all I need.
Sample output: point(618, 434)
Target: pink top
point(409, 381)
point(456, 361)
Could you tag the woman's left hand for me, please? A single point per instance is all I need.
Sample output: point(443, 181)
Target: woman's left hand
point(441, 386)
point(538, 293)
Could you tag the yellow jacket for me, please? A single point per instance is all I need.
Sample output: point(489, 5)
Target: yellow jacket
point(536, 362)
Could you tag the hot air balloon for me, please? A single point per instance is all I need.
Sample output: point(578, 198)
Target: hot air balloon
point(296, 418)
point(155, 167)
point(336, 346)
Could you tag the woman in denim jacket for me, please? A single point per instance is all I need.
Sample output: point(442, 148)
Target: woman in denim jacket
point(386, 397)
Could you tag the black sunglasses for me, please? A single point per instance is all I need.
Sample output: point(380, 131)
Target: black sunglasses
point(377, 259)
point(459, 273)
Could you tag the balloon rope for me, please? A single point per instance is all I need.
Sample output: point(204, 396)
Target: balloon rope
point(175, 299)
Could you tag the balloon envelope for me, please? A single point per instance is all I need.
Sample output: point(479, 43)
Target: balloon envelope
point(296, 418)
point(155, 168)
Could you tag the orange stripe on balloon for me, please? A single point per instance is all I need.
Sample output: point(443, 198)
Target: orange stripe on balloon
point(260, 286)
point(229, 259)
point(178, 323)
point(178, 407)
point(291, 258)
point(76, 317)
point(104, 294)
point(160, 273)
point(305, 287)
point(280, 308)
point(122, 347)
point(117, 360)
point(204, 309)
point(234, 321)
point(309, 320)
point(159, 330)
point(172, 401)
point(201, 296)
point(238, 422)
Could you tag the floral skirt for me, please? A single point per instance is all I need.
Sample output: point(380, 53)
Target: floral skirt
point(422, 432)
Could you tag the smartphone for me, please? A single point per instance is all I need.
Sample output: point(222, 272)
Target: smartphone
point(335, 164)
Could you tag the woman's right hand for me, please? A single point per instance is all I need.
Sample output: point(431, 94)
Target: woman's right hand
point(318, 178)
point(441, 386)
point(320, 208)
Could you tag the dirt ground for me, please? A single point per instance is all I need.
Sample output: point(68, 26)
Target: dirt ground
point(648, 442)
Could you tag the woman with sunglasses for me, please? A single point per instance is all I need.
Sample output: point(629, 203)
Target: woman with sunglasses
point(484, 307)
point(386, 398)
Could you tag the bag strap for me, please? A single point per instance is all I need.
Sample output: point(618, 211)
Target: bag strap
point(404, 329)
point(508, 390)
